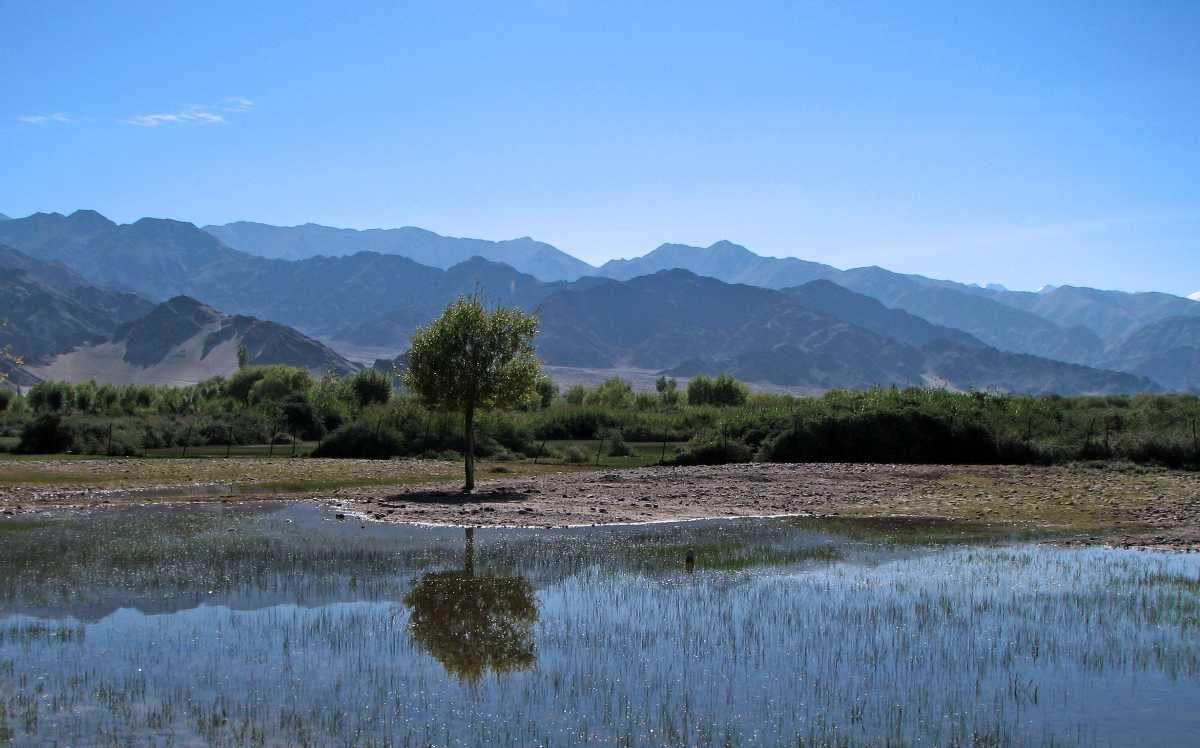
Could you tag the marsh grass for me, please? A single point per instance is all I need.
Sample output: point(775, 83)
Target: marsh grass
point(920, 531)
point(17, 525)
point(728, 556)
point(275, 626)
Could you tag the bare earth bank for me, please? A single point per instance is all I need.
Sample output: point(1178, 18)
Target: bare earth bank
point(1149, 508)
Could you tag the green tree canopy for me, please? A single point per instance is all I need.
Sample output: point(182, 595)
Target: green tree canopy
point(473, 358)
point(724, 390)
point(370, 387)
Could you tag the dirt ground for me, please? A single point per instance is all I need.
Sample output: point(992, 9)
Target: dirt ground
point(1122, 506)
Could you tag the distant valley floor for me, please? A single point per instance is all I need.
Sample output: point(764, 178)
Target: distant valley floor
point(642, 380)
point(1090, 504)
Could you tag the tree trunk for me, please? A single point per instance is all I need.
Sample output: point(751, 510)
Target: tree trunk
point(470, 436)
point(469, 552)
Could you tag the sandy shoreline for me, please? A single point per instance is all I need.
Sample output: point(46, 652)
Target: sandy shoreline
point(1101, 505)
point(1147, 509)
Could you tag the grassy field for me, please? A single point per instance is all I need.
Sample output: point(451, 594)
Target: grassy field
point(249, 467)
point(644, 453)
point(277, 451)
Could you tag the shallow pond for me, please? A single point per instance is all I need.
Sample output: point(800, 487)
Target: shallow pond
point(281, 625)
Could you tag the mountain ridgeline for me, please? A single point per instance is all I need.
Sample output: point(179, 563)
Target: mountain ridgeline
point(679, 309)
point(311, 240)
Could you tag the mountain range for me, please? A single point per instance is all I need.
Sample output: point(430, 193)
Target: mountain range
point(688, 324)
point(65, 328)
point(182, 341)
point(48, 308)
point(1074, 313)
point(818, 327)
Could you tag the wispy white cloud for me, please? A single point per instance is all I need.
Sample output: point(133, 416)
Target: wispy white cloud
point(195, 115)
point(201, 114)
point(43, 119)
point(1195, 296)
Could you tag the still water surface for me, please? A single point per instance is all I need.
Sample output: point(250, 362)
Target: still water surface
point(279, 625)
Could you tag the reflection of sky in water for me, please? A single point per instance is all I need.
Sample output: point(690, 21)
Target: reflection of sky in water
point(929, 644)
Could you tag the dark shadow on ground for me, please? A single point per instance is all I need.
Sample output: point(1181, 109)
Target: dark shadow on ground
point(455, 498)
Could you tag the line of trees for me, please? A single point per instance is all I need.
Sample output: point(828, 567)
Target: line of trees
point(255, 405)
point(472, 387)
point(362, 416)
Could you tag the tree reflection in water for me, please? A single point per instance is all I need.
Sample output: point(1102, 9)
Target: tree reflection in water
point(474, 624)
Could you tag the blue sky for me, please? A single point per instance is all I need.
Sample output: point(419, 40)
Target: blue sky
point(1020, 143)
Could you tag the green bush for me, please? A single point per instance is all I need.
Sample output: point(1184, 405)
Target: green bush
point(615, 446)
point(903, 437)
point(713, 450)
point(361, 440)
point(612, 393)
point(573, 455)
point(46, 434)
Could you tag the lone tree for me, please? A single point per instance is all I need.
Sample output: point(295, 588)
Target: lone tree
point(472, 358)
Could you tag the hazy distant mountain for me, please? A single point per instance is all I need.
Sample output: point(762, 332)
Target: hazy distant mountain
point(724, 261)
point(1112, 315)
point(1167, 351)
point(678, 321)
point(536, 258)
point(54, 274)
point(1071, 324)
point(156, 257)
point(867, 312)
point(184, 341)
point(953, 305)
point(391, 320)
point(663, 320)
point(942, 365)
point(374, 299)
point(323, 295)
point(47, 309)
point(4, 217)
point(40, 321)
